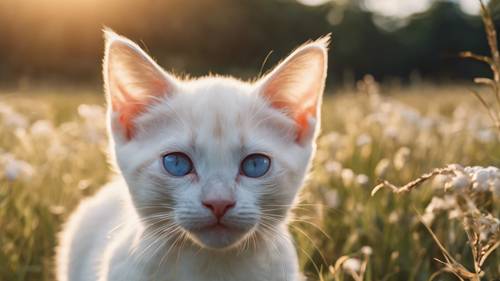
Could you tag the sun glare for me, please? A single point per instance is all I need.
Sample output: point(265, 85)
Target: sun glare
point(313, 2)
point(397, 8)
point(470, 6)
point(404, 8)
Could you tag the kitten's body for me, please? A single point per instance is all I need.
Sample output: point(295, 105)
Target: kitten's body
point(104, 252)
point(152, 225)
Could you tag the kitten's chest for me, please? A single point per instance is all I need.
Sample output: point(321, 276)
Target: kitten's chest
point(192, 268)
point(223, 274)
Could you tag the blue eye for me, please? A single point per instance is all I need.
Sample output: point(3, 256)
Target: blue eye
point(255, 165)
point(177, 164)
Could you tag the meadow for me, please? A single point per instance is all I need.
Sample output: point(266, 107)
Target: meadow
point(53, 154)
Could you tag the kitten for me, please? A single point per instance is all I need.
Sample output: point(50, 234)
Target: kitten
point(210, 170)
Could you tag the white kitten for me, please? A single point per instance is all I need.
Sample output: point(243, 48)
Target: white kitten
point(211, 168)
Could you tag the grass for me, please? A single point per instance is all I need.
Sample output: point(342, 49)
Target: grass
point(342, 232)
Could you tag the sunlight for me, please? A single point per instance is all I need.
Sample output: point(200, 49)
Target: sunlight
point(470, 6)
point(313, 2)
point(397, 8)
point(404, 8)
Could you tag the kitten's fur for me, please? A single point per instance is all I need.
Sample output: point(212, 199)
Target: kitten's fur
point(148, 224)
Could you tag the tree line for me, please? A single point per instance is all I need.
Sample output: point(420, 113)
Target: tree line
point(62, 40)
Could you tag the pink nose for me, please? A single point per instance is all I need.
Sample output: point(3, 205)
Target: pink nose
point(219, 207)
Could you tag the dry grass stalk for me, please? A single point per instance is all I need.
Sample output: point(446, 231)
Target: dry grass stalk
point(414, 183)
point(482, 229)
point(451, 265)
point(482, 245)
point(356, 271)
point(493, 61)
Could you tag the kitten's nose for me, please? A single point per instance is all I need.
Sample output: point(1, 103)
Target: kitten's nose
point(219, 207)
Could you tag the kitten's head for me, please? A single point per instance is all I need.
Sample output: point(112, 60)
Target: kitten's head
point(214, 159)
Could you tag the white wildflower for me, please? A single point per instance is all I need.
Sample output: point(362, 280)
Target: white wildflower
point(461, 112)
point(427, 123)
point(42, 129)
point(480, 179)
point(363, 139)
point(458, 182)
point(435, 204)
point(394, 255)
point(333, 167)
point(15, 169)
point(84, 184)
point(454, 214)
point(494, 171)
point(91, 112)
point(12, 118)
point(352, 265)
point(57, 209)
point(439, 204)
point(391, 132)
point(495, 187)
point(332, 198)
point(362, 180)
point(93, 116)
point(401, 158)
point(5, 109)
point(428, 218)
point(469, 169)
point(440, 180)
point(457, 167)
point(488, 226)
point(486, 136)
point(449, 202)
point(330, 138)
point(409, 114)
point(367, 250)
point(382, 167)
point(347, 176)
point(57, 149)
point(387, 107)
point(393, 217)
point(377, 118)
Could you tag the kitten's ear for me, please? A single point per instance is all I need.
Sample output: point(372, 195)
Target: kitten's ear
point(132, 80)
point(296, 86)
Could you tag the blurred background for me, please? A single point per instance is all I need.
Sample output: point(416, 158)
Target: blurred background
point(420, 116)
point(44, 41)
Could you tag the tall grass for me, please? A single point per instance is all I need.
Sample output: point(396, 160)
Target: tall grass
point(53, 154)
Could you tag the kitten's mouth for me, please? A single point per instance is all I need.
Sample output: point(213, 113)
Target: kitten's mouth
point(218, 226)
point(218, 235)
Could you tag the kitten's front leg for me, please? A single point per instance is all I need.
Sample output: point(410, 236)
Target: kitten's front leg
point(121, 262)
point(284, 263)
point(123, 271)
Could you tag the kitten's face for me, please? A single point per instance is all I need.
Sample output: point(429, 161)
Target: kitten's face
point(213, 159)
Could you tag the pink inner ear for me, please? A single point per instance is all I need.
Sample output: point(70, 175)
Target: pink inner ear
point(133, 81)
point(300, 110)
point(127, 110)
point(295, 86)
point(302, 120)
point(130, 107)
point(299, 116)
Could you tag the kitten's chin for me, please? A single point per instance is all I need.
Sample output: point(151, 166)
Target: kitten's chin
point(219, 237)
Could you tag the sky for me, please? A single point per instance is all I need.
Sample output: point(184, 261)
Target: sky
point(403, 8)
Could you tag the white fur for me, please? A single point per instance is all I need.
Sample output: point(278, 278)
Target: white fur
point(146, 224)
